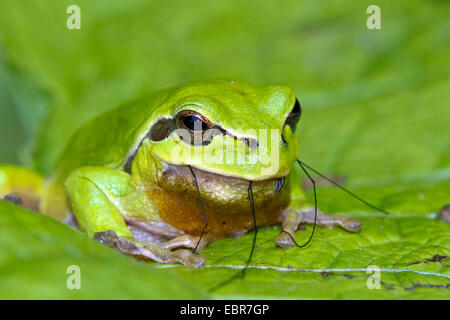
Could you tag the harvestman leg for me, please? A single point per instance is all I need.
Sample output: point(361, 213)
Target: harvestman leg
point(291, 220)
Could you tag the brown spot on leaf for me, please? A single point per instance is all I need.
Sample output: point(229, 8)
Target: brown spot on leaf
point(421, 285)
point(435, 258)
point(326, 274)
point(444, 214)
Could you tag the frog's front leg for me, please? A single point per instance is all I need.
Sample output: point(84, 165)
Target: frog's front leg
point(101, 197)
point(161, 253)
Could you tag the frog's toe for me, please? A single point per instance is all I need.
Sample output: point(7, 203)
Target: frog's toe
point(183, 256)
point(284, 240)
point(188, 258)
point(108, 238)
point(351, 224)
point(186, 241)
point(13, 198)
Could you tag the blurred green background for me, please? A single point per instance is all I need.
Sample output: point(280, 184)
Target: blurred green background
point(376, 103)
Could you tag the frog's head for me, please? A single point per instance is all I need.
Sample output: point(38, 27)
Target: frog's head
point(228, 128)
point(229, 132)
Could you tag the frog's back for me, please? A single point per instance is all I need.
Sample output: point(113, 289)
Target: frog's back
point(108, 139)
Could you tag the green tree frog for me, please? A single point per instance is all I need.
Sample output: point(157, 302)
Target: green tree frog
point(128, 177)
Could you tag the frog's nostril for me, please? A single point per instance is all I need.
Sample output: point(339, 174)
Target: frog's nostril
point(279, 183)
point(251, 143)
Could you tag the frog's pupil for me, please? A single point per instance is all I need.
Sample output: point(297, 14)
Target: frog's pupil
point(194, 122)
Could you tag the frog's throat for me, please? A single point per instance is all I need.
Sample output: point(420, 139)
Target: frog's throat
point(225, 199)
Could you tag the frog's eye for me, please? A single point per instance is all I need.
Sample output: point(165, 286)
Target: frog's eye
point(294, 115)
point(193, 121)
point(198, 127)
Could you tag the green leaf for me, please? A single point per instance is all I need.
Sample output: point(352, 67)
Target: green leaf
point(334, 265)
point(36, 252)
point(375, 112)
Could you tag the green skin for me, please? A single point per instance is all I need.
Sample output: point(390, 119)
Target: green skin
point(119, 181)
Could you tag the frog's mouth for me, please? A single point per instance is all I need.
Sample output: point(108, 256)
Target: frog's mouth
point(209, 181)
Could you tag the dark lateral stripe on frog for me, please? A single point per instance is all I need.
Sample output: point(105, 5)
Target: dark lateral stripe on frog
point(164, 127)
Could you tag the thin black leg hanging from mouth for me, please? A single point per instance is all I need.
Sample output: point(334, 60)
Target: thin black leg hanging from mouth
point(203, 210)
point(315, 210)
point(255, 228)
point(303, 165)
point(241, 273)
